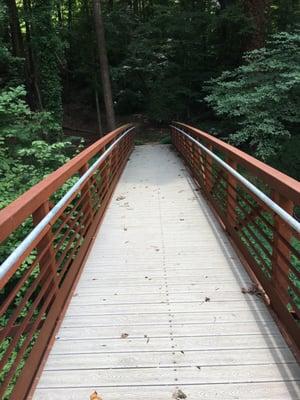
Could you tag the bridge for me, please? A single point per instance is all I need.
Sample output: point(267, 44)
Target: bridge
point(156, 272)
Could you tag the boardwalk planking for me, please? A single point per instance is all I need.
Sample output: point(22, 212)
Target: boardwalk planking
point(162, 272)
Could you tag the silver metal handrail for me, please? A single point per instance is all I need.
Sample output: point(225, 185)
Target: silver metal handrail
point(285, 216)
point(34, 234)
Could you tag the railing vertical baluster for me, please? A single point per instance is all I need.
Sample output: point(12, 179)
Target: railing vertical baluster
point(87, 207)
point(107, 173)
point(193, 158)
point(231, 195)
point(37, 216)
point(281, 230)
point(209, 170)
point(202, 167)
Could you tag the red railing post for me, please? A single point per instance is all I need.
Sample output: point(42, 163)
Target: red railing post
point(87, 207)
point(280, 269)
point(208, 170)
point(231, 195)
point(48, 260)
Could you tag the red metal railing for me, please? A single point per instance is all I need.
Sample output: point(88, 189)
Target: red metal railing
point(37, 285)
point(268, 244)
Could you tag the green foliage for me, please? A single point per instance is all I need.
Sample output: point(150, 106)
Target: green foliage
point(155, 77)
point(48, 51)
point(262, 96)
point(11, 70)
point(28, 151)
point(284, 15)
point(166, 140)
point(19, 125)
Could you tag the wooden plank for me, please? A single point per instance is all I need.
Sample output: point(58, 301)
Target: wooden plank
point(198, 307)
point(261, 391)
point(176, 318)
point(166, 376)
point(204, 287)
point(159, 296)
point(213, 343)
point(186, 330)
point(167, 359)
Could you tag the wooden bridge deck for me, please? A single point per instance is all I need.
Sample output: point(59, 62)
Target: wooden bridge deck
point(159, 305)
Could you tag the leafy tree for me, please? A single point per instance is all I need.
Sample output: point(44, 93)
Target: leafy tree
point(262, 96)
point(18, 124)
point(28, 147)
point(48, 52)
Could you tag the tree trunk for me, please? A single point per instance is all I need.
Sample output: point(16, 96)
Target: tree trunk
point(70, 15)
point(107, 93)
point(257, 11)
point(98, 113)
point(16, 35)
point(31, 62)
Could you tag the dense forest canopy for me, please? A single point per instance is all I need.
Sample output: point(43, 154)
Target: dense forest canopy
point(228, 66)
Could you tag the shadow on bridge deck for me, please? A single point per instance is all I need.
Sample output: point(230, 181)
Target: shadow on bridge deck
point(159, 305)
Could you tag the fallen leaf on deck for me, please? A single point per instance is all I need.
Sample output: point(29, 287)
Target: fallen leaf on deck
point(95, 396)
point(124, 335)
point(253, 289)
point(207, 299)
point(178, 394)
point(119, 198)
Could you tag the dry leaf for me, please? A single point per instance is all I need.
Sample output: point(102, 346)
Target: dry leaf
point(95, 396)
point(178, 394)
point(253, 289)
point(124, 335)
point(147, 337)
point(207, 299)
